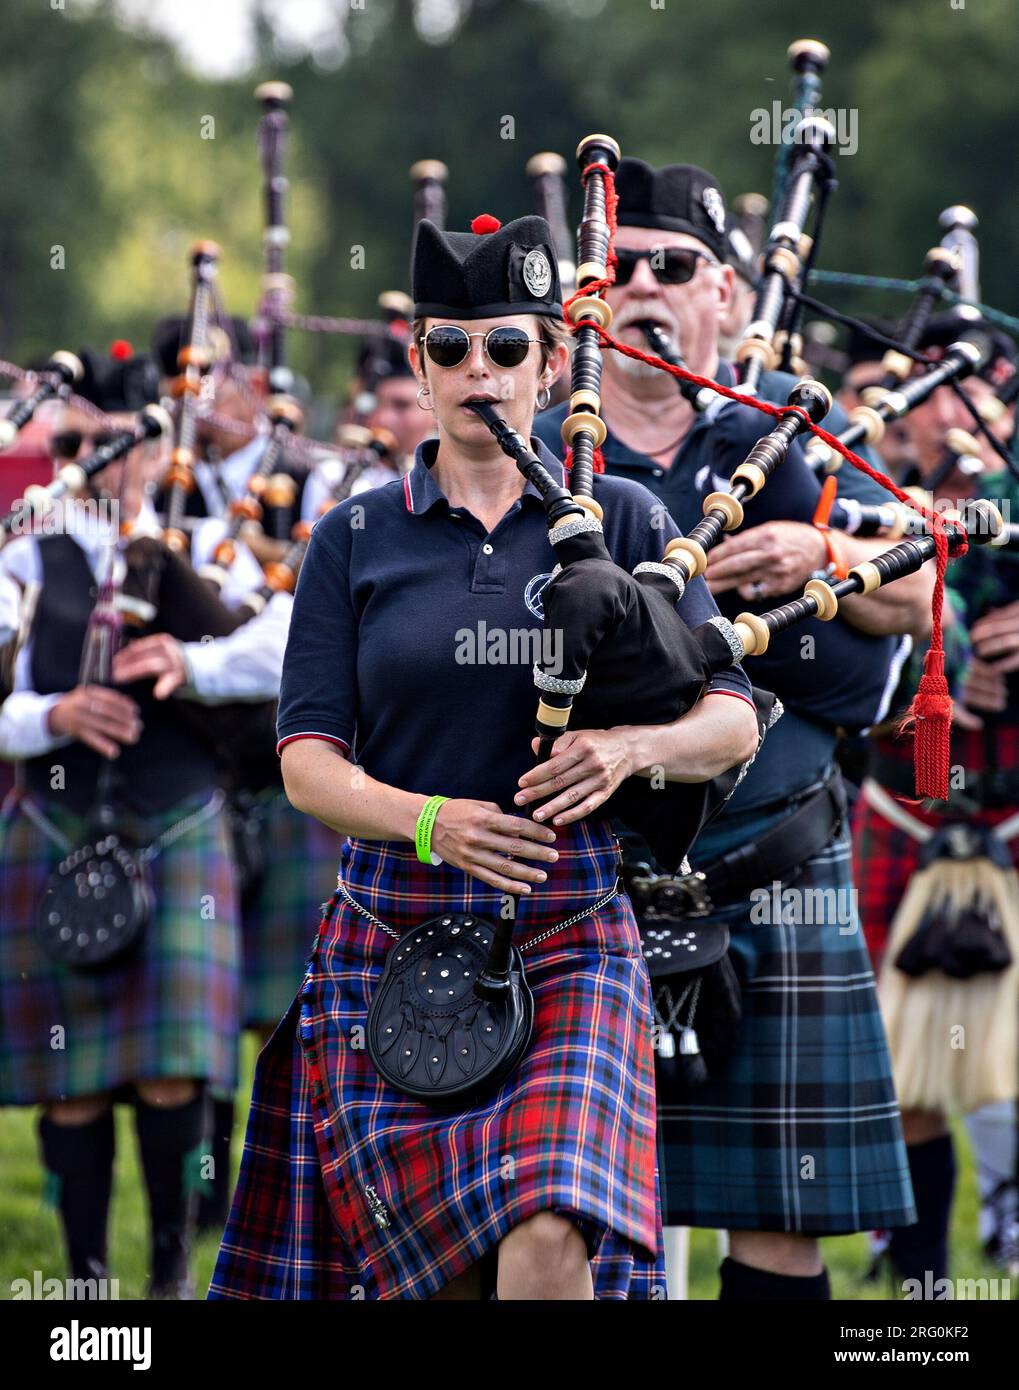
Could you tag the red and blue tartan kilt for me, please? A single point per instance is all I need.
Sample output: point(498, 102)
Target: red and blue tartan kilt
point(170, 1010)
point(885, 857)
point(301, 859)
point(572, 1130)
point(800, 1132)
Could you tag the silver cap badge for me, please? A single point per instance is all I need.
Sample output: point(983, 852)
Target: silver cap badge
point(537, 273)
point(715, 208)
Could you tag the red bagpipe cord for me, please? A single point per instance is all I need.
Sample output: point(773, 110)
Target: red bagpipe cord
point(930, 714)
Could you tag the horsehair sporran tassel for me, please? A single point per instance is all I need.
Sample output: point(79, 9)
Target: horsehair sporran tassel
point(954, 1042)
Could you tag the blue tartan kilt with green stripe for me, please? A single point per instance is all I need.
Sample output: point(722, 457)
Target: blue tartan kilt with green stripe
point(331, 1150)
point(301, 857)
point(171, 1009)
point(800, 1132)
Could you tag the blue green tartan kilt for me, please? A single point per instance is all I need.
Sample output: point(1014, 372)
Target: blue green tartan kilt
point(171, 1009)
point(800, 1132)
point(301, 859)
point(330, 1146)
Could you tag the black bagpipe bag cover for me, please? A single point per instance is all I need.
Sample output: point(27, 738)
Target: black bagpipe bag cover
point(644, 666)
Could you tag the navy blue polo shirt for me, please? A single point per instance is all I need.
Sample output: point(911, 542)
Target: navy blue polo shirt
point(844, 677)
point(414, 631)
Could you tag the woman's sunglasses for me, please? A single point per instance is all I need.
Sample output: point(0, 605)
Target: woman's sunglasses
point(671, 265)
point(447, 345)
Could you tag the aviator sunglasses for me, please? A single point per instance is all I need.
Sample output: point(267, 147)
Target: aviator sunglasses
point(506, 346)
point(671, 265)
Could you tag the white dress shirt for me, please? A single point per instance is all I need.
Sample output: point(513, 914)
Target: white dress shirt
point(246, 665)
point(231, 473)
point(328, 474)
point(10, 607)
point(245, 573)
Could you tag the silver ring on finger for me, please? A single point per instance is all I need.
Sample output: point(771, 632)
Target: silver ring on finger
point(757, 589)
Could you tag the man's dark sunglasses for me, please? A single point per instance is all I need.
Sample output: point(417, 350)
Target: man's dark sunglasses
point(66, 444)
point(672, 265)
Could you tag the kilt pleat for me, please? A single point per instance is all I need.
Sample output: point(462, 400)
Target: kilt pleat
point(301, 859)
point(800, 1132)
point(169, 1010)
point(350, 1190)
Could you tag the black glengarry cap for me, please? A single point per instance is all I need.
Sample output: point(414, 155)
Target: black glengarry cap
point(382, 359)
point(230, 339)
point(675, 198)
point(946, 328)
point(120, 382)
point(490, 270)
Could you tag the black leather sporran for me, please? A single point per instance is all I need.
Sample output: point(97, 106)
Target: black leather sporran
point(430, 1035)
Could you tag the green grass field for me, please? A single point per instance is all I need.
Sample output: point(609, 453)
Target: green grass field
point(30, 1236)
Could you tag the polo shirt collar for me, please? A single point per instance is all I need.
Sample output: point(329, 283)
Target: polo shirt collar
point(421, 491)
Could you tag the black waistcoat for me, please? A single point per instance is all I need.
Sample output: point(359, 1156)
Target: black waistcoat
point(168, 764)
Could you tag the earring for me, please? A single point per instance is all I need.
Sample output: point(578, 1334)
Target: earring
point(424, 391)
point(545, 391)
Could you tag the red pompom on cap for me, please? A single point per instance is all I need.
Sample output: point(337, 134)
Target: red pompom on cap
point(121, 350)
point(485, 223)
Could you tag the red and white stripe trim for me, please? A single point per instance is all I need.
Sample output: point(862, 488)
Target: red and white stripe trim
point(329, 738)
point(735, 695)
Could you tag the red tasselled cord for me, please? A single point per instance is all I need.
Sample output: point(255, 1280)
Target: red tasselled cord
point(930, 714)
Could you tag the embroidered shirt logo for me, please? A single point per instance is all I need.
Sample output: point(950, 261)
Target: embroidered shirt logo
point(533, 592)
point(715, 208)
point(706, 478)
point(537, 273)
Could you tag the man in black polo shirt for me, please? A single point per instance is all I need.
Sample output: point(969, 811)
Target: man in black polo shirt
point(798, 1136)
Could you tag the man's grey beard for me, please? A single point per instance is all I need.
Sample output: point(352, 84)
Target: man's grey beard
point(631, 366)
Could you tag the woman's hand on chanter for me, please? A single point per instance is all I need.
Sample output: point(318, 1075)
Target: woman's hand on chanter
point(586, 767)
point(477, 837)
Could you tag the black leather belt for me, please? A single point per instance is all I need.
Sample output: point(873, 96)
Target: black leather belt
point(774, 856)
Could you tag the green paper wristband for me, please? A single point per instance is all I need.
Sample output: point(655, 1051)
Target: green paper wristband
point(423, 830)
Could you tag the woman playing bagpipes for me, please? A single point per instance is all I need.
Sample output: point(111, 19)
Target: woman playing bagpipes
point(406, 723)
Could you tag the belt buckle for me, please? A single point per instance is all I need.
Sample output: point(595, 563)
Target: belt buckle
point(684, 896)
point(667, 896)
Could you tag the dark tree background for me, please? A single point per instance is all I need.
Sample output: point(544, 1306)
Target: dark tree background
point(103, 155)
